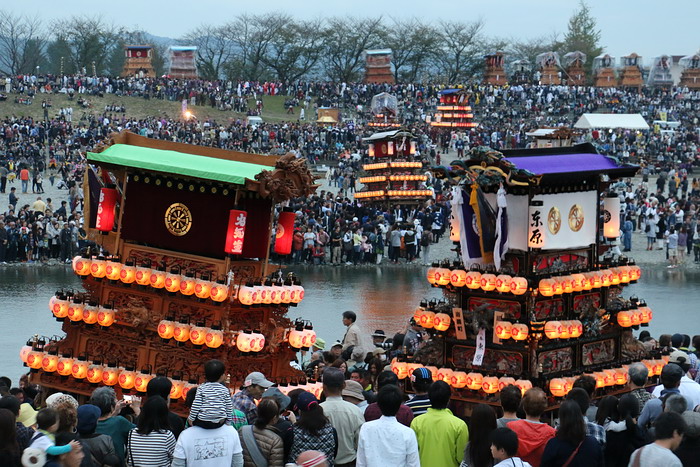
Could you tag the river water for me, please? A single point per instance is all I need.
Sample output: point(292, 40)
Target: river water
point(383, 298)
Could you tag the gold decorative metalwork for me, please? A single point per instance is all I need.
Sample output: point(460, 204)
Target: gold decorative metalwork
point(178, 219)
point(554, 220)
point(576, 218)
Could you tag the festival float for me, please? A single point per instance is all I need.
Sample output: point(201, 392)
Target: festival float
point(177, 271)
point(494, 73)
point(574, 65)
point(631, 71)
point(603, 71)
point(660, 72)
point(548, 65)
point(533, 296)
point(690, 76)
point(385, 111)
point(138, 61)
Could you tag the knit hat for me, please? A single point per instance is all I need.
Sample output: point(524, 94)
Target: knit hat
point(306, 401)
point(58, 398)
point(88, 415)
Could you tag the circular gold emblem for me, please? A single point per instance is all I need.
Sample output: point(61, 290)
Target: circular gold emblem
point(178, 219)
point(576, 218)
point(554, 220)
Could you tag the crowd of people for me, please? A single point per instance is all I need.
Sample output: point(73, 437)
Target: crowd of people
point(362, 418)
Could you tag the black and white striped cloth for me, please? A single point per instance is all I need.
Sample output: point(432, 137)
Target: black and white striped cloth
point(152, 450)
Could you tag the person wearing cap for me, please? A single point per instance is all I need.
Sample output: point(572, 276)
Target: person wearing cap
point(345, 417)
point(352, 334)
point(353, 393)
point(385, 441)
point(688, 388)
point(283, 426)
point(670, 428)
point(421, 379)
point(378, 338)
point(253, 388)
point(101, 446)
point(670, 378)
point(27, 415)
point(372, 412)
point(320, 344)
point(689, 450)
point(313, 429)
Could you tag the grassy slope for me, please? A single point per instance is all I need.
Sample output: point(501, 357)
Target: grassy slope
point(138, 107)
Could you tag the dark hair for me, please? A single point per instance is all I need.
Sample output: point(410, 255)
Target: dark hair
point(10, 403)
point(397, 341)
point(387, 377)
point(534, 402)
point(439, 394)
point(667, 423)
point(213, 370)
point(350, 315)
point(506, 439)
point(628, 410)
point(5, 381)
point(421, 385)
point(686, 340)
point(665, 340)
point(312, 420)
point(267, 411)
point(572, 427)
point(580, 396)
point(189, 398)
point(510, 398)
point(675, 403)
point(15, 391)
point(696, 339)
point(607, 409)
point(481, 424)
point(333, 378)
point(389, 399)
point(159, 386)
point(67, 416)
point(586, 383)
point(8, 432)
point(46, 418)
point(154, 416)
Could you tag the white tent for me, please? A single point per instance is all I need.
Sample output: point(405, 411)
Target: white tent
point(629, 121)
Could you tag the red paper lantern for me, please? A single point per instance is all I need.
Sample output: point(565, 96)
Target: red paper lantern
point(219, 291)
point(557, 387)
point(81, 266)
point(503, 283)
point(441, 322)
point(474, 381)
point(65, 366)
point(182, 332)
point(458, 278)
point(257, 342)
point(518, 286)
point(90, 313)
point(113, 270)
point(80, 369)
point(187, 285)
point(142, 380)
point(105, 209)
point(75, 311)
point(490, 384)
point(523, 385)
point(488, 282)
point(24, 352)
point(198, 334)
point(214, 338)
point(177, 388)
point(49, 363)
point(285, 231)
point(503, 329)
point(94, 373)
point(243, 341)
point(110, 375)
point(546, 287)
point(235, 233)
point(473, 280)
point(624, 318)
point(427, 319)
point(505, 381)
point(105, 315)
point(127, 378)
point(60, 307)
point(519, 331)
point(157, 278)
point(128, 273)
point(172, 281)
point(202, 288)
point(98, 267)
point(143, 275)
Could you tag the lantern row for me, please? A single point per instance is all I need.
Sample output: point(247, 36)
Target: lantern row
point(640, 316)
point(77, 311)
point(393, 165)
point(393, 178)
point(405, 193)
point(390, 149)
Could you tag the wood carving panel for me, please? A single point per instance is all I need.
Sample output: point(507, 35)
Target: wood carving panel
point(511, 363)
point(554, 361)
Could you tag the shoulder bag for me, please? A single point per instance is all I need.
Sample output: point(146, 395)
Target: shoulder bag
point(253, 449)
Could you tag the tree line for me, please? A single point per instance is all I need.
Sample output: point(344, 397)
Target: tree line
point(278, 46)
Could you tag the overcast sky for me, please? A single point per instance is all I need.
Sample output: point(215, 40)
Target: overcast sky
point(647, 27)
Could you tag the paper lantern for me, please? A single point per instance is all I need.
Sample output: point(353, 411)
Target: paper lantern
point(599, 379)
point(198, 334)
point(488, 282)
point(587, 283)
point(127, 378)
point(624, 273)
point(110, 375)
point(75, 311)
point(505, 381)
point(518, 285)
point(609, 377)
point(182, 332)
point(523, 385)
point(128, 273)
point(442, 276)
point(607, 277)
point(284, 294)
point(81, 266)
point(80, 369)
point(567, 284)
point(105, 315)
point(565, 330)
point(94, 373)
point(176, 389)
point(285, 231)
point(267, 293)
point(441, 322)
point(257, 341)
point(166, 329)
point(430, 275)
point(650, 366)
point(503, 329)
point(473, 280)
point(535, 225)
point(569, 383)
point(635, 273)
point(60, 307)
point(246, 294)
point(187, 285)
point(636, 317)
point(552, 329)
point(112, 270)
point(52, 301)
point(235, 233)
point(575, 329)
point(214, 338)
point(546, 287)
point(98, 268)
point(577, 281)
point(202, 288)
point(260, 295)
point(141, 381)
point(105, 209)
point(557, 386)
point(90, 313)
point(309, 338)
point(611, 216)
point(621, 376)
point(624, 318)
point(400, 369)
point(49, 363)
point(558, 286)
point(459, 379)
point(474, 381)
point(157, 278)
point(503, 283)
point(427, 319)
point(519, 331)
point(615, 276)
point(646, 314)
point(143, 275)
point(490, 384)
point(186, 388)
point(444, 374)
point(24, 352)
point(296, 337)
point(172, 281)
point(597, 279)
point(458, 278)
point(276, 293)
point(65, 366)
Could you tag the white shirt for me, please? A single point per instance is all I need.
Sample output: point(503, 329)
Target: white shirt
point(513, 462)
point(387, 443)
point(689, 388)
point(208, 448)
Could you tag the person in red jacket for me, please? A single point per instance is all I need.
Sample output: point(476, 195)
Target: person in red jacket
point(532, 434)
point(24, 177)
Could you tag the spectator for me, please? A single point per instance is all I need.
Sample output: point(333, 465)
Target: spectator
point(688, 388)
point(9, 449)
point(212, 406)
point(253, 388)
point(481, 425)
point(638, 375)
point(504, 448)
point(670, 378)
point(353, 394)
point(533, 435)
point(110, 422)
point(669, 428)
point(588, 384)
point(580, 396)
point(313, 429)
point(441, 436)
point(689, 450)
point(421, 379)
point(344, 416)
point(228, 451)
point(622, 435)
point(283, 427)
point(571, 446)
point(352, 334)
point(261, 445)
point(510, 402)
point(151, 442)
point(101, 446)
point(386, 441)
point(372, 412)
point(161, 386)
point(23, 434)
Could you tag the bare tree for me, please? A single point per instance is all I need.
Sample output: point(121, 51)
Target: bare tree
point(90, 39)
point(461, 52)
point(344, 41)
point(294, 50)
point(22, 43)
point(214, 49)
point(412, 43)
point(529, 49)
